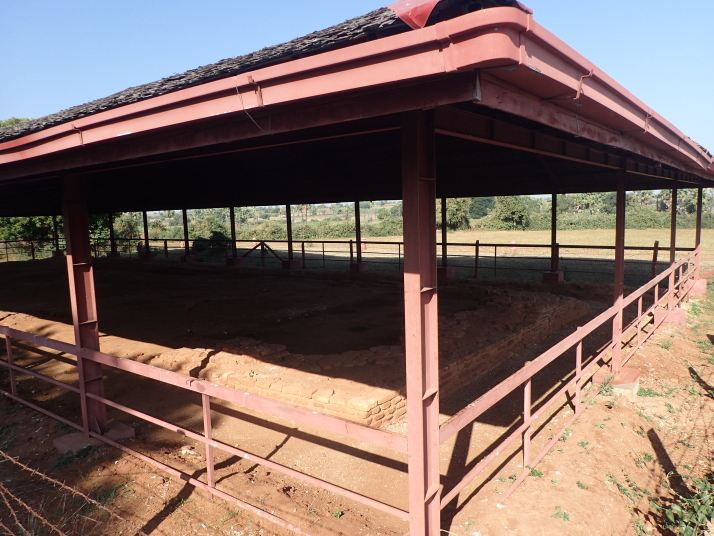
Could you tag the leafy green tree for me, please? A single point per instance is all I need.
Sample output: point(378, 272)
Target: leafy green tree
point(457, 213)
point(12, 121)
point(512, 212)
point(481, 206)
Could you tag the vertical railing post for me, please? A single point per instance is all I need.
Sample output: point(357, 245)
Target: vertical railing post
point(351, 253)
point(476, 258)
point(166, 249)
point(655, 253)
point(578, 375)
point(399, 257)
point(303, 256)
point(618, 291)
point(324, 266)
point(527, 387)
point(208, 434)
point(32, 250)
point(421, 321)
point(639, 322)
point(262, 254)
point(82, 297)
point(11, 373)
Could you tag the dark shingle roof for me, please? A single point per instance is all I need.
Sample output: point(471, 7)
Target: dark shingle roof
point(378, 23)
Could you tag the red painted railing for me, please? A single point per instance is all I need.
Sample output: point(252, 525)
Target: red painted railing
point(679, 279)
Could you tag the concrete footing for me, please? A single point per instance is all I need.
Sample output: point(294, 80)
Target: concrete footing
point(291, 264)
point(446, 272)
point(116, 431)
point(675, 316)
point(359, 267)
point(554, 277)
point(188, 258)
point(234, 261)
point(625, 383)
point(699, 286)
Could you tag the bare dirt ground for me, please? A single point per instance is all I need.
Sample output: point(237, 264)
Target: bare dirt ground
point(607, 474)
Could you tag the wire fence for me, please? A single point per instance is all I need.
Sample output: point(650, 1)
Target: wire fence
point(468, 260)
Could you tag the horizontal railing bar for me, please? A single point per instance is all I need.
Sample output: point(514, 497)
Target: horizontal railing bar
point(254, 457)
point(41, 410)
point(39, 376)
point(277, 408)
point(202, 485)
point(39, 340)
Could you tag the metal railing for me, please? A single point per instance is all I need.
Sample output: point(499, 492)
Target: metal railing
point(679, 279)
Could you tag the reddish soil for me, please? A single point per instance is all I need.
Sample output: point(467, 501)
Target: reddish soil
point(146, 310)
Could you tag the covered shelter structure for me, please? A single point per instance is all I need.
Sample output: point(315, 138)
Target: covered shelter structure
point(420, 101)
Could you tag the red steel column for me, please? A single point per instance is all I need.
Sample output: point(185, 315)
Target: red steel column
point(698, 235)
point(234, 252)
point(185, 233)
point(112, 239)
point(554, 233)
point(290, 232)
point(84, 308)
point(421, 321)
point(358, 232)
point(673, 229)
point(618, 294)
point(444, 252)
point(147, 251)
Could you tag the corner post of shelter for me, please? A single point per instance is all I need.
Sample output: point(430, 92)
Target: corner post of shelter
point(619, 282)
point(233, 259)
point(672, 247)
point(624, 380)
point(699, 286)
point(291, 263)
point(55, 235)
point(358, 266)
point(147, 249)
point(445, 271)
point(186, 257)
point(82, 298)
point(421, 321)
point(555, 275)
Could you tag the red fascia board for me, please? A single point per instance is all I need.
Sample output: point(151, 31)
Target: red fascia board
point(487, 39)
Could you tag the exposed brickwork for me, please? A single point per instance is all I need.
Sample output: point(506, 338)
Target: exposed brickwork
point(368, 386)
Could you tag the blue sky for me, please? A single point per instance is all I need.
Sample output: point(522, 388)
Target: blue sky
point(56, 54)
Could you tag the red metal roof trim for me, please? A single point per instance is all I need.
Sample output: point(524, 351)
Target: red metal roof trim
point(414, 12)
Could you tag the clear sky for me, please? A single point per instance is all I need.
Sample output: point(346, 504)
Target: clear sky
point(59, 53)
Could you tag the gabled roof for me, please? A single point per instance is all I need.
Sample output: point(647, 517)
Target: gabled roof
point(377, 24)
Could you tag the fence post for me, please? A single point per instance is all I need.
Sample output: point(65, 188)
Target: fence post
point(166, 249)
point(32, 250)
point(476, 255)
point(578, 372)
point(7, 253)
point(8, 347)
point(323, 256)
point(399, 257)
point(351, 252)
point(208, 434)
point(262, 254)
point(303, 256)
point(655, 253)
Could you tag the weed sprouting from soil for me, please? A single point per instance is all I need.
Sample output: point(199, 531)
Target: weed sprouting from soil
point(561, 514)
